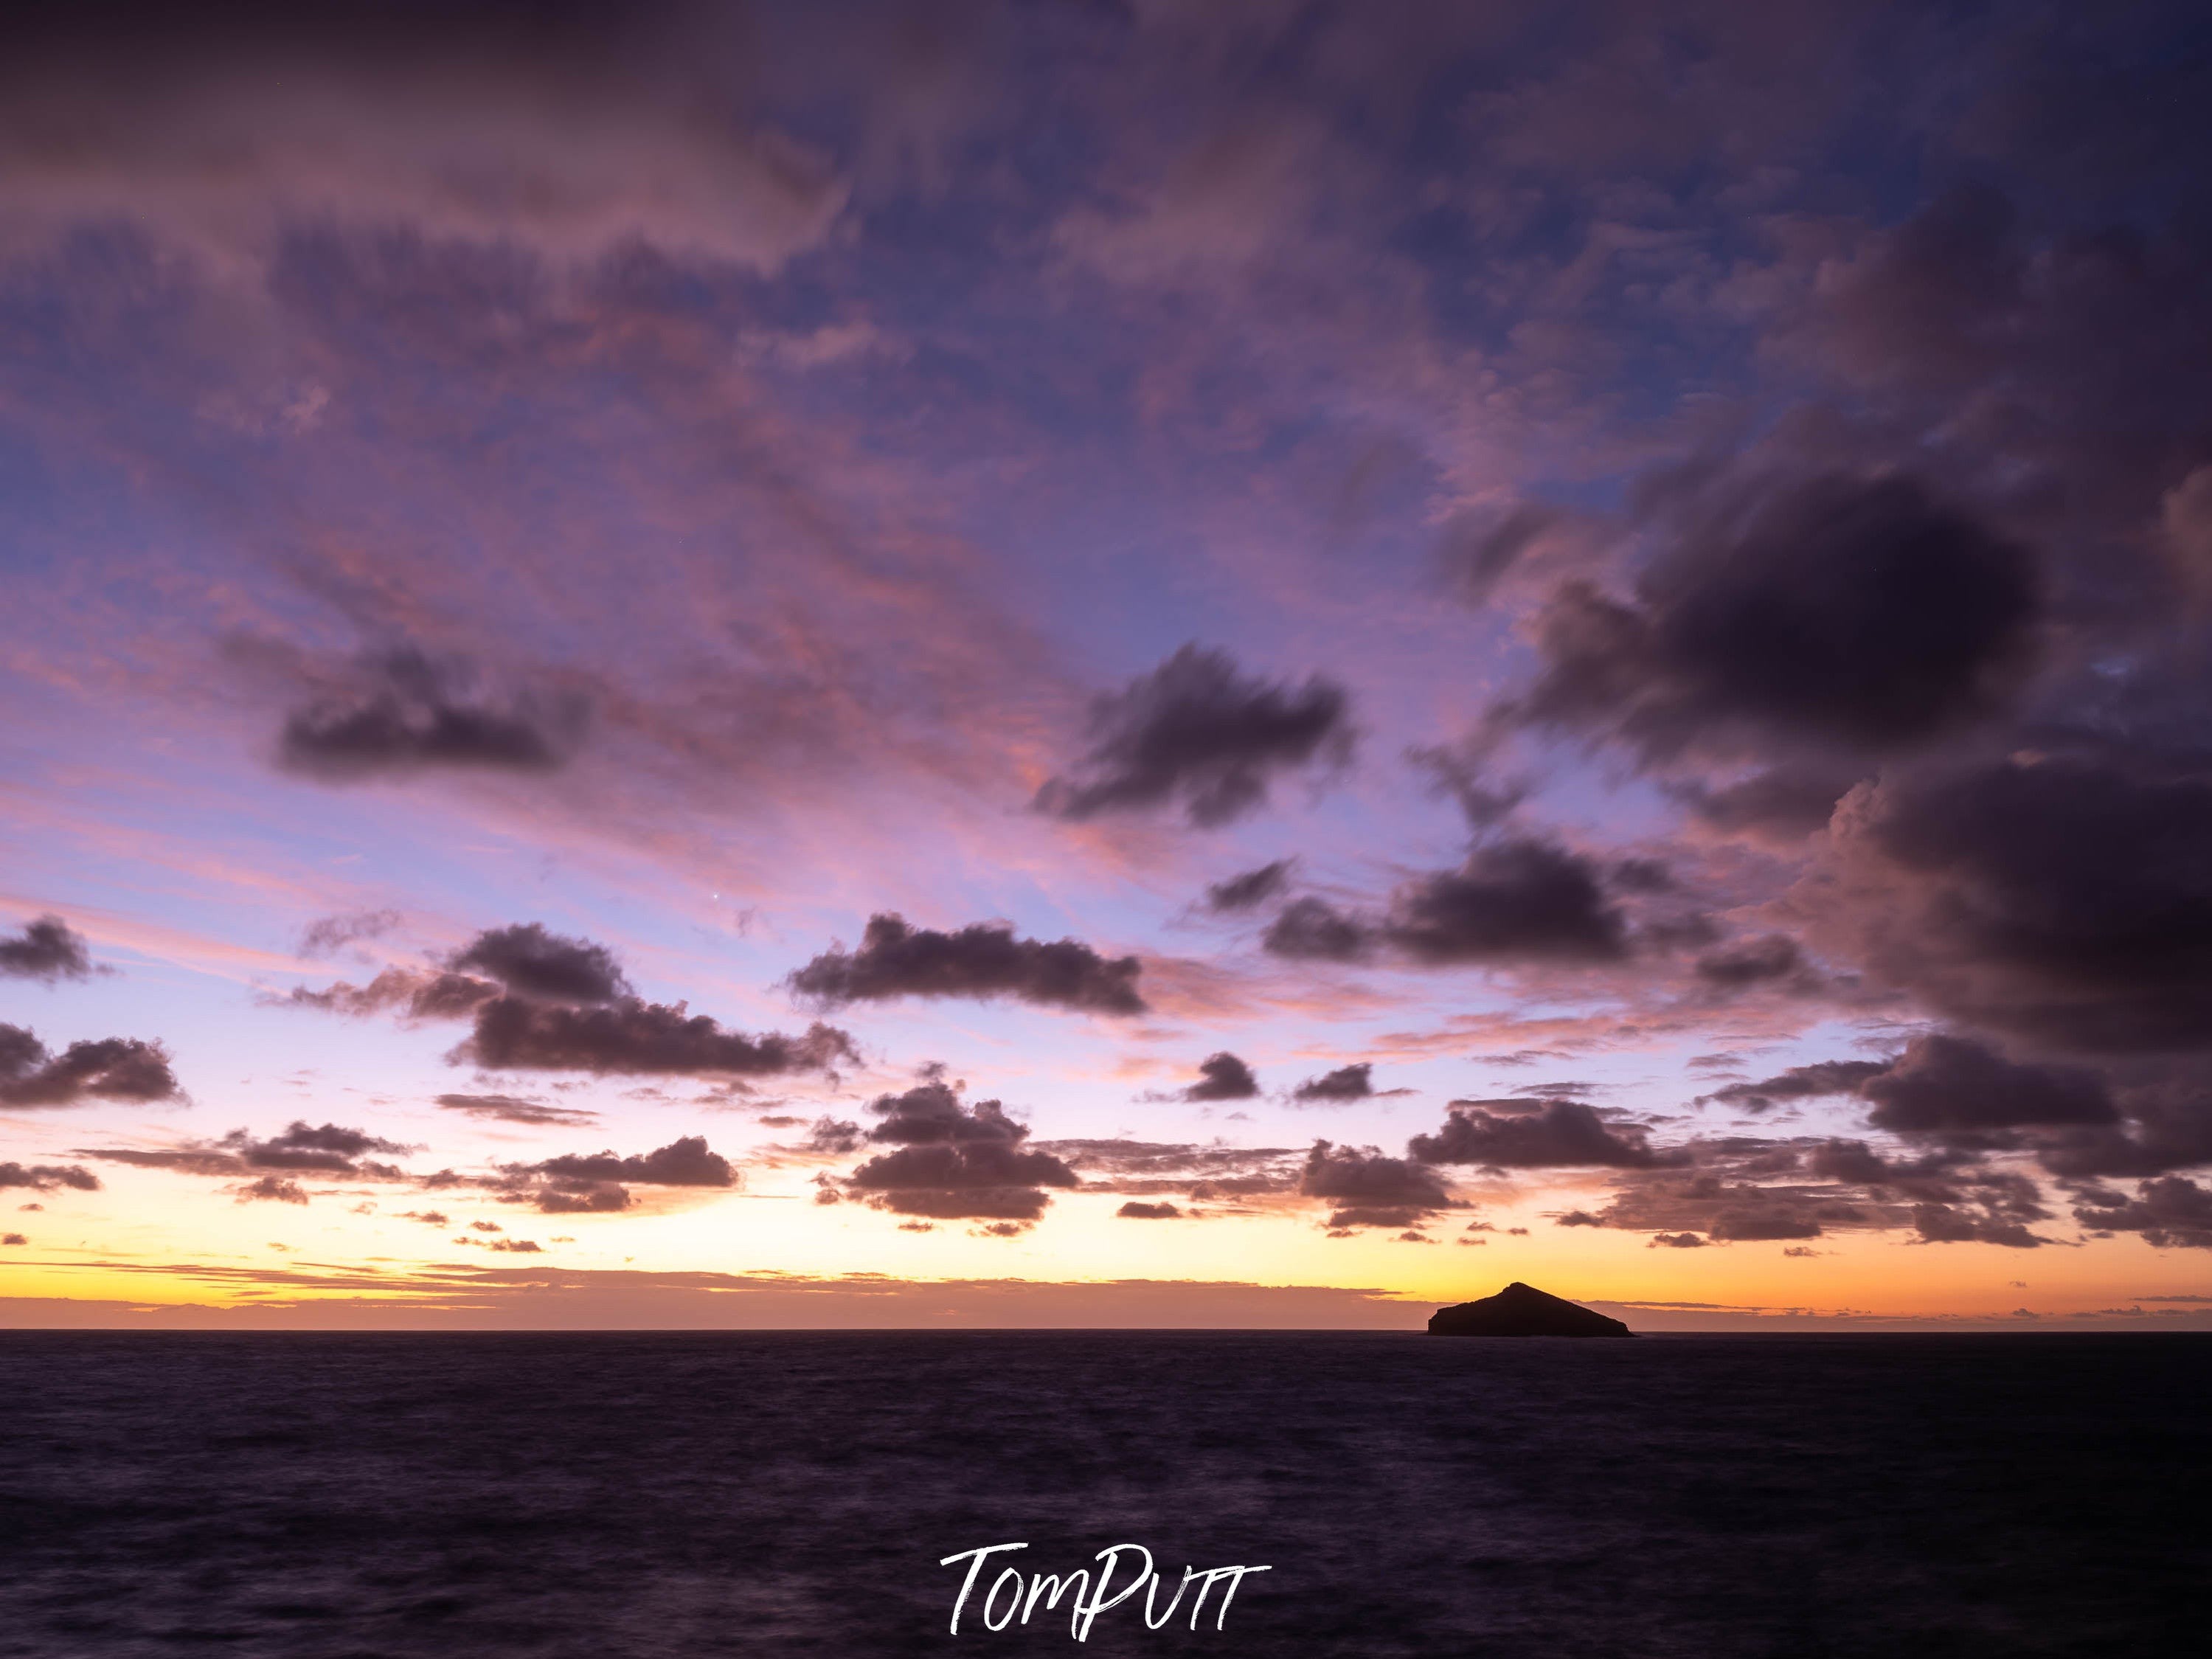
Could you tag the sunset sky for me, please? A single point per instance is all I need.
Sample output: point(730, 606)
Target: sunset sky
point(1164, 663)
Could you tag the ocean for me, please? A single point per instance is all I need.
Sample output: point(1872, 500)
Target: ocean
point(766, 1493)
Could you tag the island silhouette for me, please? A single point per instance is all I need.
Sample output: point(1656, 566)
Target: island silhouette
point(1523, 1311)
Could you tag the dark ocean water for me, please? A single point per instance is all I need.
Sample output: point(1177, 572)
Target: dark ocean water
point(608, 1495)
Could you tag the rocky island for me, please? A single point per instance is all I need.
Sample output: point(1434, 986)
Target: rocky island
point(1523, 1311)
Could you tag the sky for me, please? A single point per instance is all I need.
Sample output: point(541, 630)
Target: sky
point(1228, 663)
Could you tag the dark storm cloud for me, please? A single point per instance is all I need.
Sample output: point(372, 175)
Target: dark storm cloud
point(1941, 1223)
point(1223, 1077)
point(541, 1002)
point(1250, 891)
point(1823, 1078)
point(981, 1180)
point(954, 1162)
point(267, 1168)
point(45, 948)
point(47, 1177)
point(1512, 900)
point(510, 1109)
point(404, 711)
point(530, 962)
point(1558, 1133)
point(2169, 1127)
point(932, 1111)
point(1642, 876)
point(1784, 802)
point(1311, 929)
point(98, 1069)
point(1197, 731)
point(2069, 900)
point(1346, 1083)
point(329, 1148)
point(2067, 311)
point(983, 959)
point(1137, 1209)
point(21, 1052)
point(1369, 1189)
point(1951, 1083)
point(1855, 1164)
point(1727, 1191)
point(1946, 1088)
point(1752, 962)
point(834, 1136)
point(587, 1183)
point(532, 127)
point(1942, 1194)
point(2170, 1212)
point(634, 1038)
point(327, 935)
point(687, 1162)
point(132, 37)
point(1866, 613)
